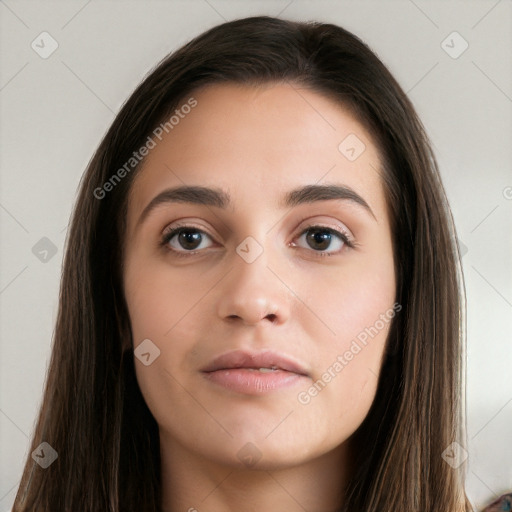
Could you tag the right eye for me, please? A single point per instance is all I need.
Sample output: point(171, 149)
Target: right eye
point(188, 240)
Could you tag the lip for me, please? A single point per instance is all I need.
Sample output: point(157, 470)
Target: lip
point(245, 359)
point(238, 370)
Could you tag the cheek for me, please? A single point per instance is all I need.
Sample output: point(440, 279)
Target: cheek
point(164, 316)
point(356, 306)
point(157, 299)
point(157, 316)
point(347, 300)
point(343, 388)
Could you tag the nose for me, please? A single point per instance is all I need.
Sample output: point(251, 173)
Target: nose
point(251, 293)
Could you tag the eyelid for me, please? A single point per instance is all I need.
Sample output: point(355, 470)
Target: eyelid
point(185, 224)
point(313, 221)
point(175, 227)
point(337, 227)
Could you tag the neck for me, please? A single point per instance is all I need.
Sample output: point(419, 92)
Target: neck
point(193, 483)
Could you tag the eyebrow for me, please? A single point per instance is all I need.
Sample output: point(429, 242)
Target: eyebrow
point(206, 196)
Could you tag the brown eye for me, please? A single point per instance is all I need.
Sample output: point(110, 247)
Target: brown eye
point(321, 238)
point(184, 239)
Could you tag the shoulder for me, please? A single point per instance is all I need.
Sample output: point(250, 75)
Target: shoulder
point(502, 504)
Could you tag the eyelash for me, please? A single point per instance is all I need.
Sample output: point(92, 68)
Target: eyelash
point(169, 234)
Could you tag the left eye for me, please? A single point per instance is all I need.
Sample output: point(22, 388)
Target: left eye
point(320, 238)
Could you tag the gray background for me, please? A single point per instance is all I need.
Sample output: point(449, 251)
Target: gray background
point(54, 112)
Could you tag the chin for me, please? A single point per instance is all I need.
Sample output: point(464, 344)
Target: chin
point(258, 453)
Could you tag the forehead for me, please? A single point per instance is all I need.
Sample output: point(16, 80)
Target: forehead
point(257, 142)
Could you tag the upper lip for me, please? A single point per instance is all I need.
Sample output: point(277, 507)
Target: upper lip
point(245, 359)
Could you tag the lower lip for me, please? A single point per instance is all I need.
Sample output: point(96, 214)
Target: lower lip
point(253, 382)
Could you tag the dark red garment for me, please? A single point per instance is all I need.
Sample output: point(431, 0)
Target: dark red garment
point(502, 504)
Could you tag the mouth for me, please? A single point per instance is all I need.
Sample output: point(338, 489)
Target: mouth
point(254, 373)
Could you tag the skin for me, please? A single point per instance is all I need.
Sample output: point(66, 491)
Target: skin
point(258, 143)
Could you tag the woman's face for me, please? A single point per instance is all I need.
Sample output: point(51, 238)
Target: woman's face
point(270, 274)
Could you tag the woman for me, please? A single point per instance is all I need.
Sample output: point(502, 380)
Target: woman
point(261, 300)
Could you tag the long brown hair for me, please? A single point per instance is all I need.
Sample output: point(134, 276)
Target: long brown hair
point(93, 413)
